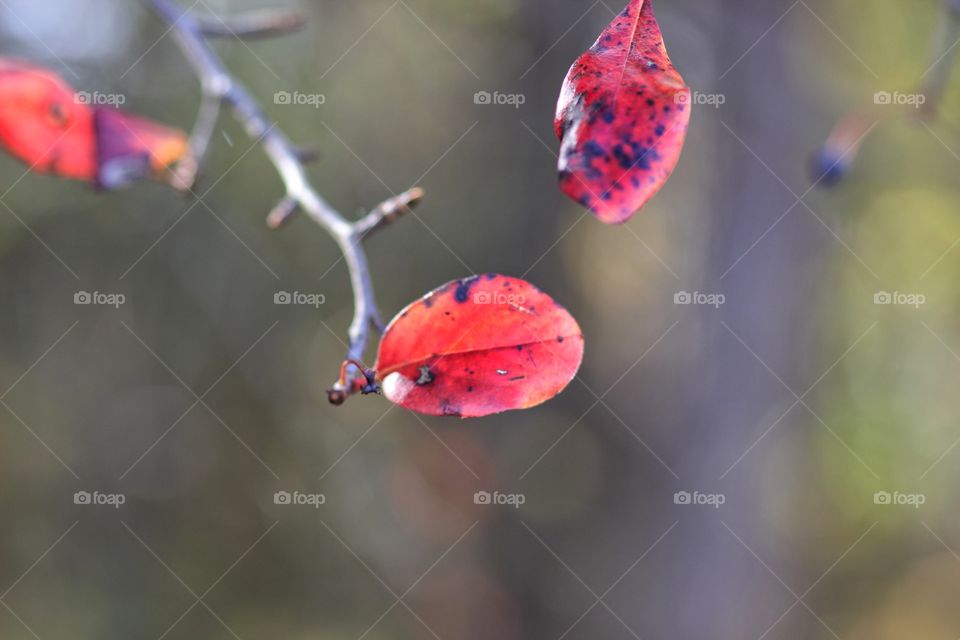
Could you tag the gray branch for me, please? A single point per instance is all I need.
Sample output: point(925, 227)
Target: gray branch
point(220, 88)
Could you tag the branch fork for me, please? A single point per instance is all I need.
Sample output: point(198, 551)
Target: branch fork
point(221, 89)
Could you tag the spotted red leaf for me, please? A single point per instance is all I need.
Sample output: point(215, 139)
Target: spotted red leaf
point(479, 346)
point(622, 118)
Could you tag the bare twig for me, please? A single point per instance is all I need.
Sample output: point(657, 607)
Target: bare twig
point(221, 88)
point(188, 169)
point(255, 24)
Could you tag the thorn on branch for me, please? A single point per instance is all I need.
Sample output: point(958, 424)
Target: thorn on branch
point(388, 211)
point(306, 155)
point(255, 24)
point(281, 214)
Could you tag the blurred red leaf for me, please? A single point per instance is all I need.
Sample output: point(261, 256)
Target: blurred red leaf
point(622, 118)
point(479, 346)
point(54, 129)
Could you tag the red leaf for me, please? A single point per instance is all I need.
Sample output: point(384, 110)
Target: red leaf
point(479, 346)
point(130, 147)
point(622, 118)
point(53, 129)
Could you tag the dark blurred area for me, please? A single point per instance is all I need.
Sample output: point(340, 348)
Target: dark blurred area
point(778, 460)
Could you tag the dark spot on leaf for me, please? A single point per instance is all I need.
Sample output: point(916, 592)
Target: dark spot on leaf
point(462, 293)
point(449, 409)
point(593, 150)
point(426, 377)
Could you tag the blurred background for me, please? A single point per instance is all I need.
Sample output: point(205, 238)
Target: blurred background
point(780, 465)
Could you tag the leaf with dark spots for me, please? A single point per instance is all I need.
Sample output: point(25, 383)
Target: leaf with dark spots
point(622, 118)
point(500, 353)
